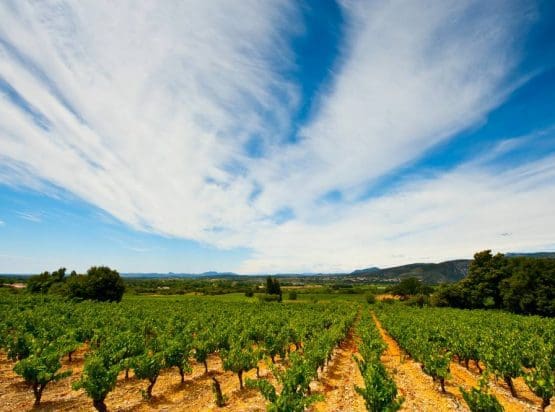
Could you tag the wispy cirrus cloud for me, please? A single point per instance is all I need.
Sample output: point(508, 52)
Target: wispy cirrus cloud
point(148, 112)
point(413, 75)
point(444, 216)
point(144, 103)
point(31, 217)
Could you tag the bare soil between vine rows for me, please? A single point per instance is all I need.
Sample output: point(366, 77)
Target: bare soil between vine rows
point(422, 394)
point(336, 383)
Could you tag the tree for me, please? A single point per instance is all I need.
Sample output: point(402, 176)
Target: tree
point(481, 284)
point(43, 283)
point(517, 284)
point(78, 287)
point(272, 286)
point(59, 275)
point(40, 283)
point(106, 284)
point(409, 287)
point(530, 288)
point(100, 283)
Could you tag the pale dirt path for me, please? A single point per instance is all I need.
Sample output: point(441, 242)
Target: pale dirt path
point(337, 382)
point(419, 391)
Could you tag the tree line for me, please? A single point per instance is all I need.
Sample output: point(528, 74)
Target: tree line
point(99, 283)
point(517, 284)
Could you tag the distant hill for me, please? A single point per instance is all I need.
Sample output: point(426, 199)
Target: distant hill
point(449, 271)
point(537, 255)
point(368, 271)
point(173, 275)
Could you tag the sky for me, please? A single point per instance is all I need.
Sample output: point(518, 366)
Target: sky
point(268, 136)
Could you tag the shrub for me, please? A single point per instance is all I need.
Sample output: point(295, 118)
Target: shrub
point(370, 298)
point(40, 369)
point(98, 379)
point(480, 400)
point(269, 298)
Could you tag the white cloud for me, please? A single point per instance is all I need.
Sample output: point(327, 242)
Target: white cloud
point(145, 109)
point(415, 73)
point(444, 217)
point(165, 98)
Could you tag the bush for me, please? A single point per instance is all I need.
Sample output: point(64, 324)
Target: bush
point(249, 293)
point(379, 391)
point(97, 380)
point(292, 295)
point(410, 287)
point(40, 369)
point(479, 399)
point(370, 298)
point(269, 298)
point(418, 300)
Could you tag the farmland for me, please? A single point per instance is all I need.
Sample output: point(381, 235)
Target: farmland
point(170, 352)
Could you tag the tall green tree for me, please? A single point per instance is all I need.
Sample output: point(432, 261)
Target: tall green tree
point(100, 283)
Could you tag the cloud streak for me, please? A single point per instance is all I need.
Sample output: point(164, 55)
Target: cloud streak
point(155, 103)
point(31, 217)
point(413, 75)
point(145, 112)
point(428, 219)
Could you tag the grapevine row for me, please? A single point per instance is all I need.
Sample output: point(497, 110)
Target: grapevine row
point(162, 333)
point(507, 345)
point(379, 391)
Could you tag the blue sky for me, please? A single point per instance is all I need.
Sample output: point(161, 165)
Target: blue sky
point(273, 136)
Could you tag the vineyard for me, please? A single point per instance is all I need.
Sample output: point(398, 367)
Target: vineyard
point(198, 353)
point(145, 340)
point(493, 344)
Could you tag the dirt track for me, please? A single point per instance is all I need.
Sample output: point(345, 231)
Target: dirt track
point(338, 381)
point(417, 388)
